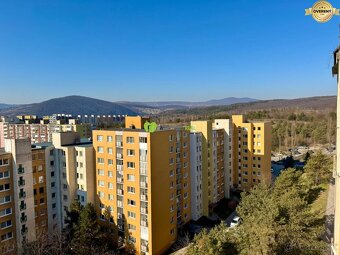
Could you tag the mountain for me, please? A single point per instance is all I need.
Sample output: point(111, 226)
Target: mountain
point(70, 105)
point(5, 106)
point(324, 103)
point(167, 105)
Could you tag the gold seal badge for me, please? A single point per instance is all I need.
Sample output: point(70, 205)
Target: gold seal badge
point(322, 11)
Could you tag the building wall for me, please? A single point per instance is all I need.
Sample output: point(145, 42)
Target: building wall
point(23, 188)
point(196, 175)
point(151, 174)
point(205, 127)
point(40, 192)
point(8, 232)
point(251, 154)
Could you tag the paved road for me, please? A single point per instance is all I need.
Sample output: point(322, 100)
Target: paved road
point(230, 218)
point(329, 213)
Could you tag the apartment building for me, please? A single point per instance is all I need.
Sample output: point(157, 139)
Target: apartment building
point(72, 174)
point(7, 208)
point(105, 120)
point(144, 179)
point(40, 133)
point(211, 164)
point(251, 153)
point(21, 172)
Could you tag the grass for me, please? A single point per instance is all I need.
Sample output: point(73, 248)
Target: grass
point(320, 204)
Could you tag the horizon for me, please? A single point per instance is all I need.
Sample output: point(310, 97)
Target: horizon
point(137, 101)
point(163, 51)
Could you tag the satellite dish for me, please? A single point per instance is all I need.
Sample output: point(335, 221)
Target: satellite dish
point(150, 127)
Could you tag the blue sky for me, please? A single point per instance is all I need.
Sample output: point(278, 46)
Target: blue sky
point(150, 50)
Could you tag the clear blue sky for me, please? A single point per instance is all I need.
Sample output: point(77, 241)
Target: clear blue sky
point(149, 50)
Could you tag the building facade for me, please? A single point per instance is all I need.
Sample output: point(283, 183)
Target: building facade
point(251, 153)
point(144, 179)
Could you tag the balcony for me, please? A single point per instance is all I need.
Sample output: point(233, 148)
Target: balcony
point(120, 203)
point(21, 170)
point(21, 183)
point(119, 167)
point(144, 223)
point(23, 219)
point(144, 210)
point(144, 248)
point(119, 156)
point(22, 194)
point(119, 144)
point(120, 191)
point(143, 184)
point(144, 197)
point(22, 207)
point(143, 172)
point(24, 230)
point(120, 180)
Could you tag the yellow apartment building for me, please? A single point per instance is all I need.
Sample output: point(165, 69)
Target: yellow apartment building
point(144, 178)
point(251, 153)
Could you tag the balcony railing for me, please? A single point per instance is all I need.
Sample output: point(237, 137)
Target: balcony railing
point(23, 219)
point(144, 184)
point(24, 230)
point(144, 210)
point(120, 191)
point(21, 183)
point(144, 223)
point(21, 170)
point(22, 207)
point(144, 197)
point(22, 194)
point(119, 144)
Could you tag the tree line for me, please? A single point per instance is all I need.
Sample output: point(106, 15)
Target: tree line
point(283, 218)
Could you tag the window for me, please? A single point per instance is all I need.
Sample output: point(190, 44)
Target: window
point(5, 212)
point(131, 227)
point(171, 208)
point(259, 128)
point(171, 137)
point(101, 183)
point(41, 179)
point(99, 138)
point(110, 173)
point(110, 185)
point(109, 138)
point(131, 164)
point(101, 172)
point(4, 175)
point(4, 162)
point(110, 162)
point(41, 190)
point(100, 149)
point(100, 160)
point(184, 145)
point(110, 197)
point(6, 236)
point(171, 161)
point(101, 194)
point(131, 215)
point(130, 177)
point(5, 224)
point(130, 139)
point(131, 190)
point(130, 152)
point(172, 231)
point(4, 187)
point(171, 173)
point(132, 239)
point(185, 164)
point(143, 139)
point(109, 150)
point(5, 199)
point(131, 202)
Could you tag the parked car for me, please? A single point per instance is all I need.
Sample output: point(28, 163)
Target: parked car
point(235, 222)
